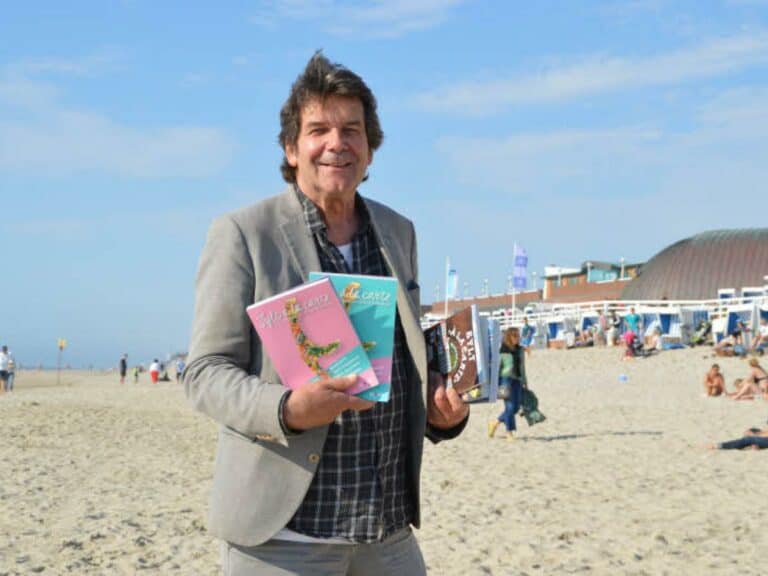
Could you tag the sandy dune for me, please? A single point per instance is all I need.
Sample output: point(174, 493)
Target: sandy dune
point(103, 479)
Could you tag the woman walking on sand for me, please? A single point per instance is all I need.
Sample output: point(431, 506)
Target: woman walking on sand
point(512, 378)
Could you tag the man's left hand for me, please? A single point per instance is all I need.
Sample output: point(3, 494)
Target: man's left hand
point(445, 409)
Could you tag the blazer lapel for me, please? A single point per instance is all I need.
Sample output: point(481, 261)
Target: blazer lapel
point(297, 238)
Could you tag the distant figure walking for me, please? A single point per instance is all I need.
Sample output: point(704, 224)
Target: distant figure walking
point(123, 367)
point(6, 360)
point(512, 380)
point(136, 372)
point(179, 369)
point(154, 370)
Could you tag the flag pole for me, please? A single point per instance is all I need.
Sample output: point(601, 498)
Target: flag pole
point(447, 269)
point(514, 255)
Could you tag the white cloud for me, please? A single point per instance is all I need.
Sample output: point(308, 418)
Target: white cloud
point(601, 74)
point(377, 18)
point(41, 136)
point(725, 150)
point(71, 142)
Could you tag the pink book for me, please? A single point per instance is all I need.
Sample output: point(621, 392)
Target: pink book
point(308, 336)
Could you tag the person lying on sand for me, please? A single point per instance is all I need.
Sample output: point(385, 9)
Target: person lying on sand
point(714, 382)
point(753, 438)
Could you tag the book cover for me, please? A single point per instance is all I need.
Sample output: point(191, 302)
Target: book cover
point(490, 341)
point(371, 302)
point(308, 336)
point(452, 350)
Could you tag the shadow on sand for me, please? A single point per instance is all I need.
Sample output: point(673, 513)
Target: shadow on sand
point(593, 434)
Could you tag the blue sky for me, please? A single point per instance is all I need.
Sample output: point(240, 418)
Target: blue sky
point(581, 130)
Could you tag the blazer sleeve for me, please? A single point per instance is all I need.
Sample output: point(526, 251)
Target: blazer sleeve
point(217, 378)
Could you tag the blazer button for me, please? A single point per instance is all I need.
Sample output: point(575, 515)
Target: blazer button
point(314, 458)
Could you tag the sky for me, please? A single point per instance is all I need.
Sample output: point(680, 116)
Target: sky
point(578, 130)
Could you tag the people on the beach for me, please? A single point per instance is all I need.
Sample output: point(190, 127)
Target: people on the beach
point(761, 338)
point(123, 367)
point(154, 371)
point(314, 480)
point(179, 368)
point(633, 321)
point(511, 375)
point(714, 381)
point(601, 328)
point(754, 438)
point(733, 343)
point(753, 385)
point(527, 333)
point(136, 372)
point(702, 332)
point(7, 367)
point(629, 339)
point(614, 329)
point(656, 342)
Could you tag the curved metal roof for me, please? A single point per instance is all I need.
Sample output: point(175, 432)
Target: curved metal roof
point(695, 268)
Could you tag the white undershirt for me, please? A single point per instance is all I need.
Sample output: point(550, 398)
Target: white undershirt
point(346, 251)
point(290, 536)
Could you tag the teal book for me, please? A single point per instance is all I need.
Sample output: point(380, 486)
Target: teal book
point(371, 302)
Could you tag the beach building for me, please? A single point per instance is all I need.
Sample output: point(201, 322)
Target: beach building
point(724, 263)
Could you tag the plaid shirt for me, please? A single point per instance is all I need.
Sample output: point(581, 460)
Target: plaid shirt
point(360, 489)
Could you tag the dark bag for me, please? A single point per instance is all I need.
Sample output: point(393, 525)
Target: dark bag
point(505, 391)
point(530, 408)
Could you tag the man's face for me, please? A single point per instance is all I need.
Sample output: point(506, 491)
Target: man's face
point(331, 154)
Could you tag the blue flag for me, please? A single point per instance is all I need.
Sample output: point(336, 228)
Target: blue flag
point(520, 268)
point(451, 283)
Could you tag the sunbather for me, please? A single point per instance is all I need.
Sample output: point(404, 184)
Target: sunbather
point(714, 382)
point(732, 343)
point(753, 438)
point(754, 384)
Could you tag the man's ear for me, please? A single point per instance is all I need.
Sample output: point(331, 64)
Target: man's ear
point(290, 155)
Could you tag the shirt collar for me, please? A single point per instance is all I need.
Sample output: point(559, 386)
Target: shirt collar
point(314, 218)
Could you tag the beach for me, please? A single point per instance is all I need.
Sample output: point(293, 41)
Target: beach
point(103, 478)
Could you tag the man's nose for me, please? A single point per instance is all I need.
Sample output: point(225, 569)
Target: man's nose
point(336, 139)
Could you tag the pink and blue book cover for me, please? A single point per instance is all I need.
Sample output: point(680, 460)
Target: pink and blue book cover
point(371, 302)
point(309, 336)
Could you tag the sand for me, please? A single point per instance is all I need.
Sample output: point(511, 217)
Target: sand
point(99, 478)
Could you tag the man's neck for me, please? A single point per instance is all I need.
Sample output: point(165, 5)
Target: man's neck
point(339, 215)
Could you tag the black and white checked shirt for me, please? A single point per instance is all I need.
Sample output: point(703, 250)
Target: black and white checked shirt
point(360, 490)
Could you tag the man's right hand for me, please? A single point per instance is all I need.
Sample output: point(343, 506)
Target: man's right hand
point(318, 403)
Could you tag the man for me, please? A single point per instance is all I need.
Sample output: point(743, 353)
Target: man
point(633, 321)
point(526, 336)
point(123, 367)
point(179, 368)
point(5, 369)
point(314, 481)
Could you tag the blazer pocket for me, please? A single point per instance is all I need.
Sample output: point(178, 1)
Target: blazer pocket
point(234, 433)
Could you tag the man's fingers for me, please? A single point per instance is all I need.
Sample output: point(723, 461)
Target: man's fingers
point(341, 384)
point(358, 404)
point(455, 401)
point(441, 401)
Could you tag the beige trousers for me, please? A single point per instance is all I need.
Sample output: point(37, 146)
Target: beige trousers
point(398, 555)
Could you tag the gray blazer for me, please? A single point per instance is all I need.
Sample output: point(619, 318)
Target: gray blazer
point(261, 475)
